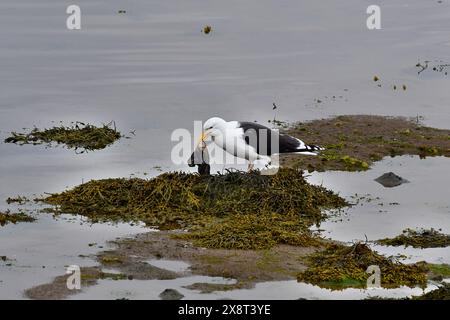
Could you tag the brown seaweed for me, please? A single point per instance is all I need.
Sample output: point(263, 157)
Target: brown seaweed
point(342, 266)
point(423, 238)
point(265, 209)
point(82, 136)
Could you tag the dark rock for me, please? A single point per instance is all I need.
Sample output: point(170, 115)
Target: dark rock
point(390, 180)
point(171, 294)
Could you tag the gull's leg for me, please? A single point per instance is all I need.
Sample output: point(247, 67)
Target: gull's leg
point(250, 166)
point(269, 163)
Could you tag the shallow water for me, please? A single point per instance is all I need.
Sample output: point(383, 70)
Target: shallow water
point(424, 202)
point(171, 265)
point(42, 250)
point(137, 289)
point(151, 70)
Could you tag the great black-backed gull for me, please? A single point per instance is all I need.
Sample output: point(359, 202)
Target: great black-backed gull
point(252, 141)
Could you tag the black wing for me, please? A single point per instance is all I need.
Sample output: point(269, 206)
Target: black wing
point(260, 137)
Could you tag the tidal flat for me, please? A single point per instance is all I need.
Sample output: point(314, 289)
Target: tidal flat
point(169, 74)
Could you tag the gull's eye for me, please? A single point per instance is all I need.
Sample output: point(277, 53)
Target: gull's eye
point(209, 128)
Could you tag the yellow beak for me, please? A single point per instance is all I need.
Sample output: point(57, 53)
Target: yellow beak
point(202, 139)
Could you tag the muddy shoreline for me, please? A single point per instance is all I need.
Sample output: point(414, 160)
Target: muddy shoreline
point(355, 142)
point(129, 256)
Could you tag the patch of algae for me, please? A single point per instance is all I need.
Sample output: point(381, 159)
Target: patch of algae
point(250, 231)
point(441, 270)
point(354, 142)
point(340, 266)
point(7, 217)
point(78, 136)
point(423, 238)
point(235, 210)
point(442, 293)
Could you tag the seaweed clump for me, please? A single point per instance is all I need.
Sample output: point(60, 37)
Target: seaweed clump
point(338, 267)
point(441, 293)
point(78, 136)
point(423, 238)
point(18, 200)
point(7, 217)
point(438, 271)
point(251, 231)
point(232, 210)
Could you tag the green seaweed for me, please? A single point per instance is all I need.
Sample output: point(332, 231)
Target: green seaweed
point(18, 200)
point(441, 270)
point(7, 217)
point(341, 266)
point(441, 293)
point(423, 238)
point(349, 163)
point(233, 210)
point(103, 275)
point(113, 276)
point(79, 136)
point(430, 151)
point(207, 29)
point(252, 232)
point(110, 259)
point(354, 142)
point(205, 287)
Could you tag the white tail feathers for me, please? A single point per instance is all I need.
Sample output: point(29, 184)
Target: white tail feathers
point(314, 148)
point(307, 153)
point(309, 150)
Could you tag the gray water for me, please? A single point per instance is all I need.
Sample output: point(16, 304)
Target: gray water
point(424, 202)
point(152, 70)
point(39, 251)
point(262, 291)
